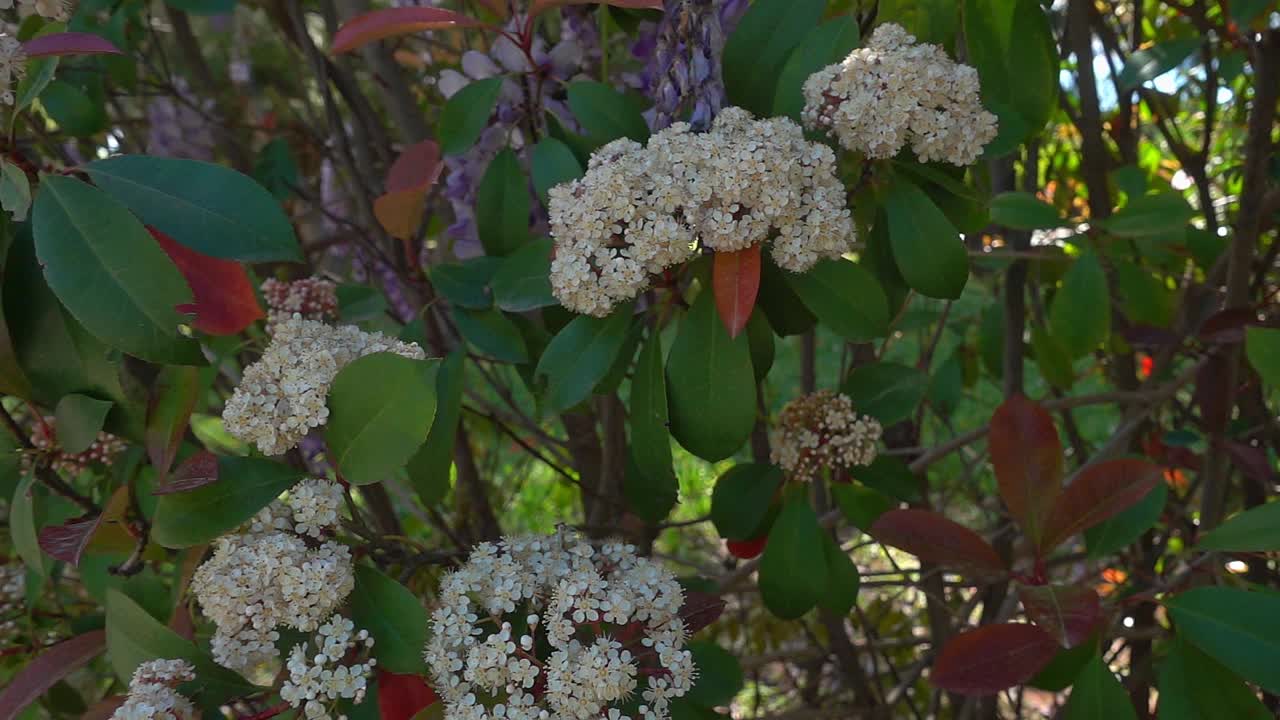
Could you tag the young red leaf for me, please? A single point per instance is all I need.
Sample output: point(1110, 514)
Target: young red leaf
point(224, 300)
point(400, 697)
point(1068, 612)
point(736, 281)
point(48, 669)
point(69, 43)
point(1099, 492)
point(399, 210)
point(1027, 456)
point(936, 539)
point(991, 658)
point(371, 26)
point(197, 471)
point(700, 610)
point(747, 549)
point(541, 6)
point(67, 541)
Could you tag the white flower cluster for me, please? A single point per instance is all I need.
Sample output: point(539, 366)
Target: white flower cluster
point(266, 576)
point(152, 695)
point(58, 10)
point(313, 298)
point(316, 682)
point(282, 396)
point(595, 625)
point(642, 209)
point(13, 598)
point(822, 431)
point(894, 92)
point(13, 66)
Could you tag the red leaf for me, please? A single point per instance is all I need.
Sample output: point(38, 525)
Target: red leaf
point(197, 471)
point(991, 658)
point(1099, 492)
point(69, 43)
point(540, 6)
point(736, 280)
point(933, 538)
point(747, 549)
point(400, 697)
point(1027, 456)
point(399, 210)
point(1210, 394)
point(1251, 461)
point(48, 669)
point(700, 610)
point(1227, 326)
point(1068, 612)
point(364, 29)
point(224, 300)
point(67, 541)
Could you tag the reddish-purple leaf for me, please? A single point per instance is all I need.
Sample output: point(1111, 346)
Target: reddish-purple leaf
point(991, 658)
point(225, 302)
point(1252, 462)
point(541, 6)
point(1227, 326)
point(936, 539)
point(48, 669)
point(371, 26)
point(400, 697)
point(1210, 394)
point(735, 278)
point(1099, 492)
point(67, 541)
point(171, 398)
point(196, 471)
point(1068, 612)
point(69, 43)
point(399, 210)
point(700, 610)
point(1027, 456)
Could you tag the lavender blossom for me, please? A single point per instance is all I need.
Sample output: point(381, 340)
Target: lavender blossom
point(179, 126)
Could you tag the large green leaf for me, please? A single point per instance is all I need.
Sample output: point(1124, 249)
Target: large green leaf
point(1080, 317)
point(1098, 695)
point(551, 164)
point(109, 272)
point(1150, 62)
point(1254, 530)
point(931, 21)
point(79, 420)
point(466, 284)
point(756, 52)
point(711, 389)
point(244, 486)
point(465, 115)
point(580, 356)
point(1238, 628)
point(650, 439)
point(1262, 347)
point(24, 528)
point(887, 392)
point(1195, 687)
point(605, 113)
point(492, 333)
point(843, 580)
point(209, 208)
point(719, 675)
point(828, 43)
point(502, 205)
point(393, 616)
point(380, 410)
point(523, 282)
point(429, 467)
point(784, 309)
point(1024, 211)
point(1012, 46)
point(73, 109)
point(1156, 214)
point(845, 297)
point(793, 569)
point(1123, 530)
point(926, 246)
point(742, 498)
point(861, 506)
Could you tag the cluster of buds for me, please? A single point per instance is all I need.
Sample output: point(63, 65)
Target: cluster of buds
point(822, 432)
point(101, 453)
point(312, 298)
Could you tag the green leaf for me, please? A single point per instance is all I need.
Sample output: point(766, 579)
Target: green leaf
point(1148, 215)
point(109, 272)
point(79, 420)
point(1063, 669)
point(395, 619)
point(891, 476)
point(244, 486)
point(861, 506)
point(429, 467)
point(965, 206)
point(492, 333)
point(845, 297)
point(931, 21)
point(72, 109)
point(465, 115)
point(1254, 530)
point(580, 356)
point(650, 439)
point(1194, 687)
point(887, 392)
point(1080, 317)
point(719, 675)
point(1147, 300)
point(606, 114)
point(843, 580)
point(40, 73)
point(742, 499)
point(15, 191)
point(209, 208)
point(502, 205)
point(946, 387)
point(926, 246)
point(1121, 531)
point(760, 342)
point(1151, 62)
point(1237, 628)
point(1262, 347)
point(523, 282)
point(552, 163)
point(1024, 211)
point(991, 338)
point(23, 530)
point(785, 311)
point(360, 302)
point(756, 52)
point(204, 7)
point(711, 390)
point(1098, 695)
point(466, 284)
point(793, 569)
point(276, 169)
point(1011, 44)
point(381, 407)
point(1052, 358)
point(828, 43)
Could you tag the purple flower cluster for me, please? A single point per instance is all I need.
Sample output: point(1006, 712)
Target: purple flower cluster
point(682, 60)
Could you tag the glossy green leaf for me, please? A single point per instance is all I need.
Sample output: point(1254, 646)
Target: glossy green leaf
point(606, 114)
point(466, 284)
point(523, 282)
point(1262, 347)
point(861, 506)
point(926, 246)
point(381, 407)
point(754, 55)
point(502, 205)
point(109, 272)
point(1080, 316)
point(171, 399)
point(79, 420)
point(1098, 695)
point(1065, 667)
point(1155, 60)
point(1011, 44)
point(465, 115)
point(1146, 298)
point(1024, 211)
point(551, 164)
point(23, 528)
point(931, 21)
point(711, 391)
point(793, 569)
point(429, 467)
point(276, 169)
point(1195, 687)
point(824, 45)
point(1121, 531)
point(1148, 215)
point(75, 112)
point(204, 7)
point(845, 297)
point(785, 311)
point(719, 675)
point(760, 341)
point(209, 208)
point(15, 191)
point(742, 498)
point(891, 476)
point(492, 333)
point(650, 438)
point(1238, 628)
point(394, 617)
point(579, 357)
point(886, 391)
point(244, 486)
point(843, 580)
point(1052, 358)
point(1254, 530)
